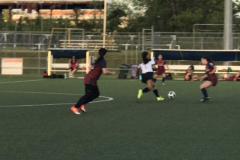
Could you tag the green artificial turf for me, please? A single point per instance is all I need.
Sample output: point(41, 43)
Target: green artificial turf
point(122, 129)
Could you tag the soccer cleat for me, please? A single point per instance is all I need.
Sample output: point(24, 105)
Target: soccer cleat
point(140, 93)
point(75, 110)
point(160, 98)
point(163, 84)
point(83, 108)
point(205, 99)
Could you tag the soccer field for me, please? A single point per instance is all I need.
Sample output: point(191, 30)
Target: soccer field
point(36, 122)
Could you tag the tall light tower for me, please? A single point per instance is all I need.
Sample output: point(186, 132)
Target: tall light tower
point(104, 23)
point(228, 40)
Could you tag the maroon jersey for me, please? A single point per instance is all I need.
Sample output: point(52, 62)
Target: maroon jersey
point(211, 76)
point(73, 64)
point(161, 68)
point(161, 64)
point(95, 73)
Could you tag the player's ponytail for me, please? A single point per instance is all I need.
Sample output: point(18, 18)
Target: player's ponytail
point(102, 53)
point(192, 67)
point(209, 60)
point(144, 57)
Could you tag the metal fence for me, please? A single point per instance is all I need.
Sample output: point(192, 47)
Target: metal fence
point(33, 46)
point(124, 41)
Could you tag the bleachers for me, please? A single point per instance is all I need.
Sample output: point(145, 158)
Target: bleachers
point(91, 45)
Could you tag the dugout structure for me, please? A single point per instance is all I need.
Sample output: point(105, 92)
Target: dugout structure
point(67, 53)
point(196, 55)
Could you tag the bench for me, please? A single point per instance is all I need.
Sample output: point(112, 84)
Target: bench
point(63, 67)
point(201, 69)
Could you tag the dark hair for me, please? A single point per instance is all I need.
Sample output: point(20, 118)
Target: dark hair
point(144, 57)
point(209, 60)
point(192, 67)
point(72, 60)
point(102, 53)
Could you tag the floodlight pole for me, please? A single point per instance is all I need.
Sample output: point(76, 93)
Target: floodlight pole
point(104, 23)
point(228, 40)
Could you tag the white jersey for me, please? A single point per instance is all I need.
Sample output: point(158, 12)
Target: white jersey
point(147, 67)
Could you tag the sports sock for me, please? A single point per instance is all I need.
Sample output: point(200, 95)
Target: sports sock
point(145, 90)
point(163, 80)
point(204, 91)
point(154, 80)
point(156, 92)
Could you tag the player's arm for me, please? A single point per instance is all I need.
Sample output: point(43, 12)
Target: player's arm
point(104, 68)
point(136, 77)
point(168, 67)
point(203, 77)
point(214, 70)
point(89, 68)
point(106, 72)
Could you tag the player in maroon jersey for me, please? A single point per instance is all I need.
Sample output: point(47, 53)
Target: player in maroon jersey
point(90, 81)
point(161, 69)
point(210, 75)
point(188, 74)
point(73, 66)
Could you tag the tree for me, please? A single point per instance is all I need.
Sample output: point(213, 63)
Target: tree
point(179, 15)
point(77, 14)
point(116, 11)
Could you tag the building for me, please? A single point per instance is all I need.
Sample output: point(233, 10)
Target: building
point(51, 8)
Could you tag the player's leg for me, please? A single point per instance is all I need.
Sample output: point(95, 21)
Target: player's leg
point(70, 72)
point(155, 77)
point(163, 78)
point(155, 91)
point(186, 78)
point(149, 83)
point(204, 91)
point(84, 99)
point(236, 76)
point(73, 71)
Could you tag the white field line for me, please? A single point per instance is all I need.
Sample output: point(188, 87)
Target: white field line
point(22, 81)
point(50, 104)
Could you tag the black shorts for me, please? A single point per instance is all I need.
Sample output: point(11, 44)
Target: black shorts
point(147, 76)
point(72, 68)
point(190, 77)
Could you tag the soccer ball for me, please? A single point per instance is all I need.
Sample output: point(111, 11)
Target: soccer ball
point(171, 95)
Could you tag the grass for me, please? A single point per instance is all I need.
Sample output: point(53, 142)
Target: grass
point(125, 128)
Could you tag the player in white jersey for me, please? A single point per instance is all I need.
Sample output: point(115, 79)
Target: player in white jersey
point(147, 76)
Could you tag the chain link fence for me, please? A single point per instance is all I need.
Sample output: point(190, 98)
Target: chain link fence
point(33, 46)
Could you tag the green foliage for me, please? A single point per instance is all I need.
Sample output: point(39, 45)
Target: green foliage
point(176, 15)
point(164, 15)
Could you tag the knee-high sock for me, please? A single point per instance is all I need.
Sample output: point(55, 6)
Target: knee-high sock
point(163, 80)
point(145, 90)
point(156, 92)
point(204, 91)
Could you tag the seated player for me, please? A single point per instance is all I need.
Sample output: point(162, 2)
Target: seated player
point(73, 66)
point(233, 77)
point(188, 74)
point(161, 69)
